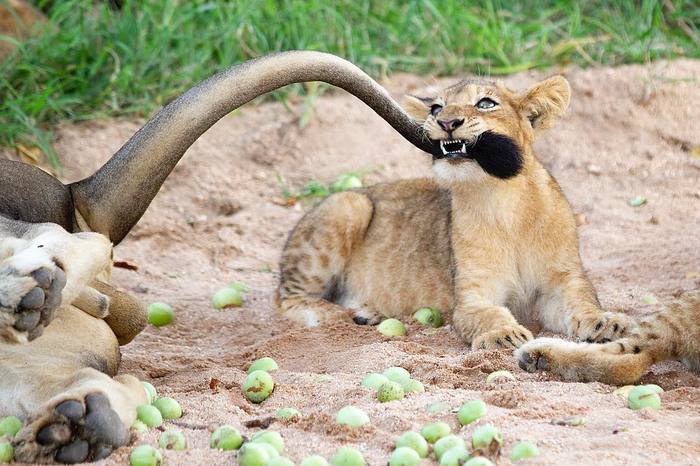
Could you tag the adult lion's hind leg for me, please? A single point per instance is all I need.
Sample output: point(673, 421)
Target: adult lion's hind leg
point(315, 257)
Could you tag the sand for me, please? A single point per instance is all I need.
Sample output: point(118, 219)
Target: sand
point(631, 131)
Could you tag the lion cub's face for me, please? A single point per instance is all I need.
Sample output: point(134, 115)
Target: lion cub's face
point(483, 129)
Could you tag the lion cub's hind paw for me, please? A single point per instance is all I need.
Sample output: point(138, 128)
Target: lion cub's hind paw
point(603, 328)
point(511, 336)
point(366, 317)
point(533, 355)
point(72, 431)
point(29, 298)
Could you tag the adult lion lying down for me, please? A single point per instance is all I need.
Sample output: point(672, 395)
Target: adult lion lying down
point(60, 322)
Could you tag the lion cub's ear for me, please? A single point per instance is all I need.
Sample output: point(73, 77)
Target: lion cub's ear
point(545, 102)
point(417, 108)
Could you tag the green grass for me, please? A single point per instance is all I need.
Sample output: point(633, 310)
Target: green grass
point(93, 62)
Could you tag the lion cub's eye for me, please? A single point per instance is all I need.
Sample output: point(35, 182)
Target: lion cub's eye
point(485, 104)
point(435, 109)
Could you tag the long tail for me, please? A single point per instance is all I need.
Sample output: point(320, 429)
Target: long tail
point(113, 199)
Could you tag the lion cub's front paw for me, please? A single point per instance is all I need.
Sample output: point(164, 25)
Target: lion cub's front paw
point(601, 328)
point(510, 336)
point(30, 292)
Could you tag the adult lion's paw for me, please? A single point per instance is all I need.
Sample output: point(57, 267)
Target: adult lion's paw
point(30, 292)
point(510, 336)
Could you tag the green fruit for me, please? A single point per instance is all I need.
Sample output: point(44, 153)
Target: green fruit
point(151, 393)
point(654, 388)
point(226, 438)
point(478, 461)
point(238, 286)
point(254, 454)
point(429, 316)
point(271, 438)
point(389, 391)
point(524, 450)
point(271, 451)
point(160, 314)
point(454, 457)
point(397, 374)
point(471, 411)
point(346, 182)
point(413, 386)
point(7, 453)
point(404, 456)
point(258, 386)
point(172, 439)
point(446, 443)
point(392, 328)
point(435, 431)
point(374, 381)
point(415, 441)
point(314, 460)
point(279, 461)
point(494, 377)
point(227, 297)
point(149, 415)
point(484, 436)
point(263, 364)
point(145, 455)
point(351, 416)
point(643, 396)
point(168, 407)
point(9, 426)
point(347, 456)
point(139, 426)
point(287, 413)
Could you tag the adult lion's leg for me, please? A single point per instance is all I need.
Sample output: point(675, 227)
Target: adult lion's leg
point(62, 386)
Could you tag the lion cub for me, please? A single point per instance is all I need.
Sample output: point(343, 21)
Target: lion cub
point(673, 333)
point(490, 237)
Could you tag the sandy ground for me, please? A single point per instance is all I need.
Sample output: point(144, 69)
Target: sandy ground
point(630, 131)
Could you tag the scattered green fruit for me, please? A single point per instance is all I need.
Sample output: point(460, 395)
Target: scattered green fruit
point(637, 201)
point(150, 392)
point(397, 374)
point(478, 461)
point(139, 426)
point(226, 438)
point(314, 460)
point(351, 416)
point(642, 397)
point(145, 455)
point(347, 456)
point(471, 411)
point(390, 391)
point(429, 316)
point(7, 452)
point(346, 182)
point(263, 364)
point(524, 450)
point(494, 377)
point(238, 286)
point(160, 314)
point(271, 438)
point(254, 454)
point(9, 426)
point(435, 431)
point(280, 461)
point(392, 328)
point(227, 297)
point(649, 299)
point(654, 387)
point(413, 386)
point(484, 436)
point(258, 386)
point(168, 407)
point(454, 457)
point(374, 381)
point(415, 441)
point(448, 442)
point(404, 456)
point(172, 439)
point(287, 413)
point(149, 415)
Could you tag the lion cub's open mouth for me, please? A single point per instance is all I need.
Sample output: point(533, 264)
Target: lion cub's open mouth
point(452, 148)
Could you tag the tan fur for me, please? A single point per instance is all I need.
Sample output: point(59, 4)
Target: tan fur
point(480, 247)
point(17, 20)
point(673, 333)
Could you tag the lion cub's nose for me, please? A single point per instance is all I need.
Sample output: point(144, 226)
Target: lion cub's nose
point(451, 125)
